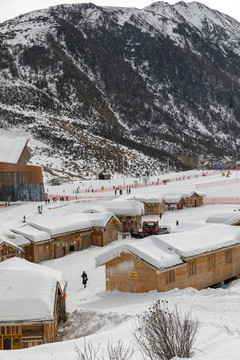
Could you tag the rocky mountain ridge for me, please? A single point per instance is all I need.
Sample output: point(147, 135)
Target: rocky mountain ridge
point(96, 85)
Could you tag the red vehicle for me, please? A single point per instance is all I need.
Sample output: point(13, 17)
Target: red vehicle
point(151, 227)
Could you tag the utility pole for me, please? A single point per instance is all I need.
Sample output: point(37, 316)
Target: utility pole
point(236, 166)
point(168, 164)
point(123, 172)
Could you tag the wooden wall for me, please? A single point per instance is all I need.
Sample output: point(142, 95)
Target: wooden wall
point(130, 274)
point(111, 233)
point(106, 236)
point(194, 200)
point(21, 336)
point(154, 209)
point(7, 252)
point(28, 335)
point(130, 222)
point(61, 244)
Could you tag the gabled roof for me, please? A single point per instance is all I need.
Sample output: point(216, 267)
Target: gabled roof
point(28, 291)
point(205, 239)
point(118, 207)
point(12, 149)
point(164, 251)
point(173, 198)
point(230, 218)
point(188, 193)
point(13, 240)
point(32, 233)
point(148, 198)
point(151, 250)
point(68, 223)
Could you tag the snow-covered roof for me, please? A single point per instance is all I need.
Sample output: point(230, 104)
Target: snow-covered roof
point(172, 198)
point(118, 207)
point(188, 226)
point(32, 233)
point(148, 198)
point(11, 149)
point(150, 249)
point(188, 193)
point(205, 239)
point(28, 291)
point(72, 222)
point(230, 218)
point(12, 239)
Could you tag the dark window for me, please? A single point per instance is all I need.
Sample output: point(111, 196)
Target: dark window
point(192, 267)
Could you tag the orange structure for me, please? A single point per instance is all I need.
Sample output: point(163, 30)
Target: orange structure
point(21, 182)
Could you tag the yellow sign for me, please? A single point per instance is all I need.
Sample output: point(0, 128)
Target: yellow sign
point(132, 275)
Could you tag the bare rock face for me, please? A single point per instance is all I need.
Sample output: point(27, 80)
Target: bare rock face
point(98, 84)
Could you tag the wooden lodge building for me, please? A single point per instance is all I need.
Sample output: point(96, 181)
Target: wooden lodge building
point(174, 201)
point(129, 213)
point(32, 307)
point(153, 205)
point(55, 237)
point(18, 181)
point(193, 198)
point(198, 258)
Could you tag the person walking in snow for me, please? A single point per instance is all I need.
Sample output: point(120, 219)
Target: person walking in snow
point(84, 278)
point(160, 215)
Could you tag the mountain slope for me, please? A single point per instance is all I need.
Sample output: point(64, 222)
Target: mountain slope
point(164, 79)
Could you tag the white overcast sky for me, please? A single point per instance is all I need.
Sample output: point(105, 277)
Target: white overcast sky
point(12, 8)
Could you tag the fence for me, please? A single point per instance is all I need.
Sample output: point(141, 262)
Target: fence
point(103, 189)
point(217, 183)
point(221, 201)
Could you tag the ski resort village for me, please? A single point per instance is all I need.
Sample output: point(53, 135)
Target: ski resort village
point(119, 180)
point(174, 238)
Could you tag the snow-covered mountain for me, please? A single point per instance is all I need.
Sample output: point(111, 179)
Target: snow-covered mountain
point(96, 85)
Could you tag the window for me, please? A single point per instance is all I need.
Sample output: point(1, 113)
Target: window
point(170, 276)
point(10, 341)
point(192, 267)
point(211, 262)
point(228, 255)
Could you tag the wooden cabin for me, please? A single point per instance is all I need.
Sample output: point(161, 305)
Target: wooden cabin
point(34, 305)
point(12, 245)
point(62, 235)
point(104, 176)
point(154, 208)
point(174, 202)
point(153, 205)
point(107, 234)
point(193, 198)
point(199, 258)
point(129, 213)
